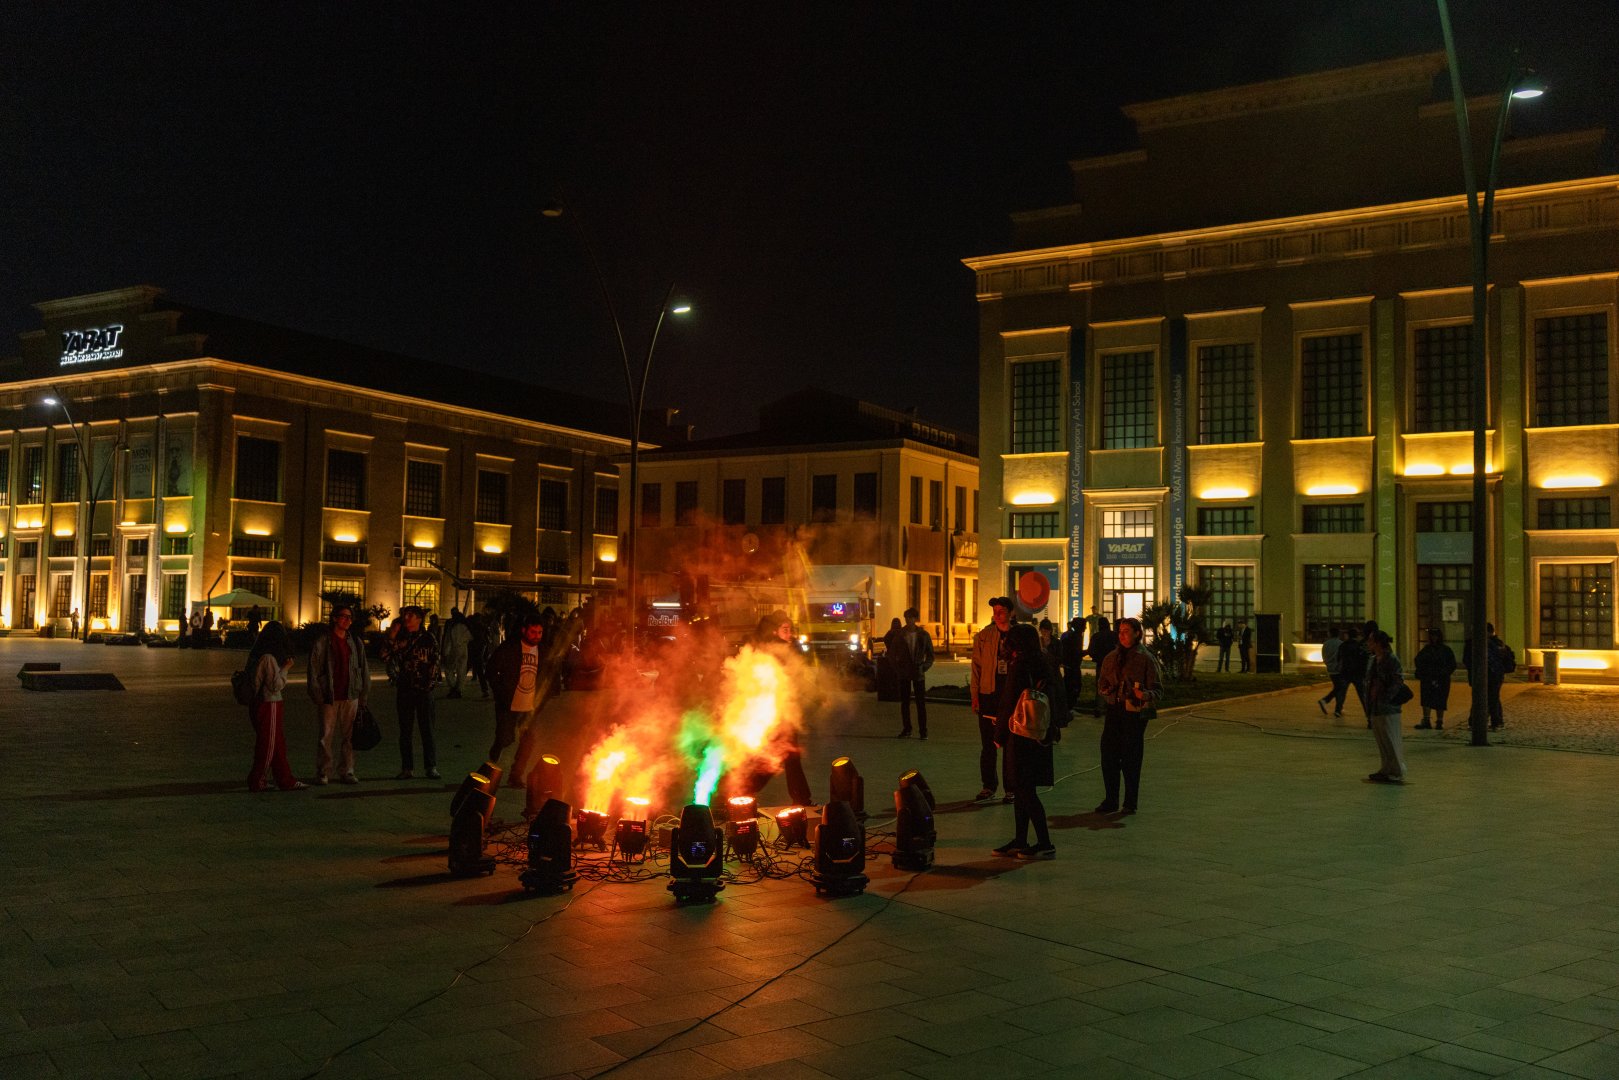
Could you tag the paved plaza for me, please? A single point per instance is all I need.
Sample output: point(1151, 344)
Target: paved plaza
point(1268, 914)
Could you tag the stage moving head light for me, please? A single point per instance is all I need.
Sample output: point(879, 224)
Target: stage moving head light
point(550, 851)
point(840, 852)
point(792, 825)
point(742, 807)
point(467, 830)
point(592, 826)
point(630, 837)
point(914, 833)
point(695, 856)
point(485, 779)
point(913, 778)
point(849, 786)
point(742, 837)
point(544, 782)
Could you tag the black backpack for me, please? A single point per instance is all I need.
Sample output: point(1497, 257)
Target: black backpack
point(241, 687)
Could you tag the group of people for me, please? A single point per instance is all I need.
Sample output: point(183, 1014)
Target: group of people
point(1242, 635)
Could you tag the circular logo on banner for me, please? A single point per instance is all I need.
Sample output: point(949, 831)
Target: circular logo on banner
point(1033, 591)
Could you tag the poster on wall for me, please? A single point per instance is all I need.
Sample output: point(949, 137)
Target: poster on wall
point(1033, 588)
point(177, 464)
point(139, 482)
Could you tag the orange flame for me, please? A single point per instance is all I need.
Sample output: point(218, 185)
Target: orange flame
point(759, 714)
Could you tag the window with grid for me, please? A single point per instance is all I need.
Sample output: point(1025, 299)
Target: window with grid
point(1571, 370)
point(916, 500)
point(607, 511)
point(734, 502)
point(5, 475)
point(100, 547)
point(32, 480)
point(913, 591)
point(1233, 589)
point(1334, 595)
point(1335, 517)
point(251, 547)
point(419, 557)
point(423, 594)
point(173, 603)
point(137, 549)
point(1580, 513)
point(1227, 409)
point(936, 505)
point(1036, 525)
point(1435, 584)
point(424, 483)
point(1129, 406)
point(959, 522)
point(67, 472)
point(345, 480)
point(331, 551)
point(100, 586)
point(64, 548)
point(685, 502)
point(935, 592)
point(258, 469)
point(1225, 521)
point(1117, 579)
point(959, 613)
point(27, 549)
point(824, 497)
point(1123, 524)
point(1442, 379)
point(491, 505)
point(1036, 406)
point(865, 496)
point(550, 565)
point(1451, 517)
point(347, 586)
point(1332, 383)
point(1576, 605)
point(773, 501)
point(177, 545)
point(651, 506)
point(493, 561)
point(61, 595)
point(553, 504)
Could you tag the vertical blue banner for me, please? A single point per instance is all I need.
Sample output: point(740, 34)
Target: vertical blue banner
point(1177, 457)
point(1077, 354)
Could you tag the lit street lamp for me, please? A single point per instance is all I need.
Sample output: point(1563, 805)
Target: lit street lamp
point(86, 535)
point(1480, 221)
point(635, 388)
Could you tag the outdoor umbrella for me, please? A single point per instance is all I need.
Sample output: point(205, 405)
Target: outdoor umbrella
point(240, 598)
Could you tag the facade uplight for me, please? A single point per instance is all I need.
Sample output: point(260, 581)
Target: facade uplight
point(1571, 482)
point(1033, 498)
point(1333, 489)
point(1224, 493)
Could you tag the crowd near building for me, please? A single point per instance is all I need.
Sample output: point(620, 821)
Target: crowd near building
point(1240, 358)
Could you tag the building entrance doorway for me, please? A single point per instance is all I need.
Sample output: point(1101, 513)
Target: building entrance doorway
point(25, 601)
point(1127, 604)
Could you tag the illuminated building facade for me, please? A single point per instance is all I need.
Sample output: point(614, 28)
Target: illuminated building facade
point(1240, 359)
point(227, 454)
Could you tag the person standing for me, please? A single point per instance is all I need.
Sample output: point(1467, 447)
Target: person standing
point(339, 677)
point(514, 676)
point(413, 651)
point(913, 656)
point(478, 649)
point(73, 624)
point(1225, 636)
point(1434, 665)
point(1028, 761)
point(457, 639)
point(1129, 684)
point(1071, 649)
point(1499, 659)
point(255, 619)
point(1245, 644)
point(1103, 642)
point(195, 625)
point(1384, 679)
point(1330, 656)
point(991, 668)
point(207, 628)
point(269, 661)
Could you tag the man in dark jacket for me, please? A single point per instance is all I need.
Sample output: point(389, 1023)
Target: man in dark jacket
point(1103, 641)
point(1499, 660)
point(514, 678)
point(912, 656)
point(414, 655)
point(1071, 648)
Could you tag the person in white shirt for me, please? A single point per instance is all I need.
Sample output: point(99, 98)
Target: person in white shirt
point(514, 676)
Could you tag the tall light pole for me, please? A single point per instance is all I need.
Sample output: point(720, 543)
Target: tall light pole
point(57, 399)
point(635, 389)
point(1480, 224)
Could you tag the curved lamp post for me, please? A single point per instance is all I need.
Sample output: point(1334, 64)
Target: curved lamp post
point(59, 401)
point(635, 389)
point(1480, 221)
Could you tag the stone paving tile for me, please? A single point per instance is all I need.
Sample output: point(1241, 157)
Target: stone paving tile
point(1371, 1043)
point(998, 1062)
point(1187, 1055)
point(1297, 1062)
point(1472, 1060)
point(859, 1061)
point(1549, 1032)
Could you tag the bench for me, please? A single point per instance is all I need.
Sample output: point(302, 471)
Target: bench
point(69, 680)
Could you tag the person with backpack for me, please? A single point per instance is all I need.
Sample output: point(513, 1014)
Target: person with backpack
point(1499, 660)
point(267, 665)
point(1027, 760)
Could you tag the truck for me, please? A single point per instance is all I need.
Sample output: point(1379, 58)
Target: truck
point(848, 609)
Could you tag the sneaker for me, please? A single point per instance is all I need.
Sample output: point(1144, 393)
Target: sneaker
point(1322, 705)
point(985, 793)
point(297, 785)
point(1337, 716)
point(403, 774)
point(1008, 797)
point(903, 735)
point(433, 774)
point(1011, 849)
point(923, 736)
point(348, 778)
point(1378, 777)
point(1038, 851)
point(320, 781)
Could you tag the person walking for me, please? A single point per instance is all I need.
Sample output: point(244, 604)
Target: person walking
point(1071, 650)
point(912, 657)
point(991, 668)
point(1245, 644)
point(478, 648)
point(269, 661)
point(1130, 685)
point(1384, 680)
point(1352, 659)
point(1331, 656)
point(1028, 761)
point(514, 677)
point(1103, 642)
point(1499, 659)
point(457, 641)
point(413, 652)
point(339, 677)
point(1434, 664)
point(1225, 636)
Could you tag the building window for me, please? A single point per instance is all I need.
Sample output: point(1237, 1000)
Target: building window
point(555, 567)
point(936, 505)
point(1129, 406)
point(423, 594)
point(177, 545)
point(1581, 513)
point(258, 469)
point(734, 502)
point(493, 561)
point(345, 480)
point(1446, 517)
point(1436, 583)
point(773, 501)
point(137, 549)
point(100, 547)
point(824, 497)
point(491, 506)
point(685, 502)
point(1233, 589)
point(174, 597)
point(553, 504)
point(264, 585)
point(935, 592)
point(1124, 524)
point(247, 547)
point(33, 475)
point(100, 586)
point(340, 586)
point(1227, 410)
point(1442, 379)
point(1136, 581)
point(1571, 370)
point(61, 595)
point(1335, 518)
point(916, 500)
point(1036, 406)
point(913, 591)
point(353, 554)
point(651, 506)
point(424, 484)
point(27, 549)
point(1334, 595)
point(5, 475)
point(419, 558)
point(975, 510)
point(64, 547)
point(1225, 521)
point(607, 511)
point(1332, 386)
point(67, 472)
point(959, 522)
point(960, 598)
point(1576, 605)
point(865, 496)
point(1036, 525)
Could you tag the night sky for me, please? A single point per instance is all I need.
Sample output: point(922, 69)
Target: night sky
point(809, 175)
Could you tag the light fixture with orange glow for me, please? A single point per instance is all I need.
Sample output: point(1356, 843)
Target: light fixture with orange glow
point(256, 532)
point(493, 549)
point(174, 527)
point(1033, 498)
point(1559, 482)
point(1224, 493)
point(345, 538)
point(1425, 470)
point(422, 545)
point(1332, 489)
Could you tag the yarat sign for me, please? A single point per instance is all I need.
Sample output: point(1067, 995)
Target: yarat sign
point(92, 346)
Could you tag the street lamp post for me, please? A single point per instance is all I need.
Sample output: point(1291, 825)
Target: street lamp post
point(1480, 222)
point(88, 531)
point(635, 389)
